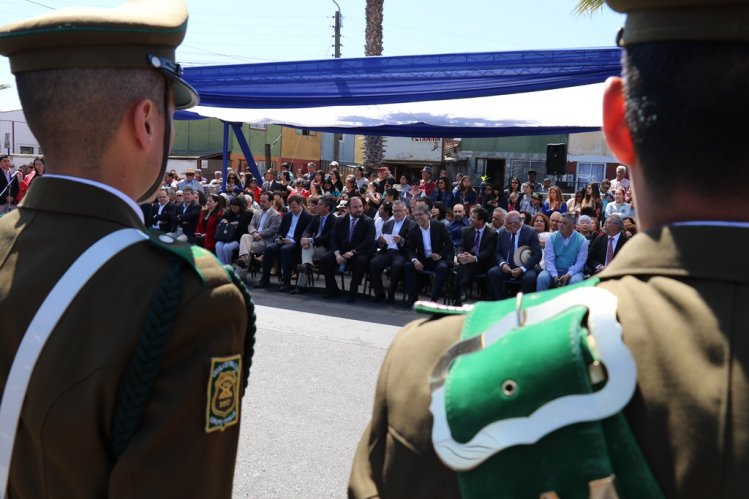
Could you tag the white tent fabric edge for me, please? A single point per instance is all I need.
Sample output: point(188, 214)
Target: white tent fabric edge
point(566, 107)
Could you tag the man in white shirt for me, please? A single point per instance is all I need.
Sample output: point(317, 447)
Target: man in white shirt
point(430, 249)
point(9, 185)
point(287, 244)
point(391, 241)
point(620, 180)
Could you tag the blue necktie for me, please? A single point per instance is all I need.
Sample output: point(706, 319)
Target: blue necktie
point(511, 253)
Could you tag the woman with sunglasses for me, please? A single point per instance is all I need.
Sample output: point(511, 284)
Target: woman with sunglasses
point(443, 193)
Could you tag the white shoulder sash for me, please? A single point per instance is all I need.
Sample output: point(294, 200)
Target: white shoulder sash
point(41, 327)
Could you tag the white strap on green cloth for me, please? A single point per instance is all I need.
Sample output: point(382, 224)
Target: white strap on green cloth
point(564, 411)
point(42, 325)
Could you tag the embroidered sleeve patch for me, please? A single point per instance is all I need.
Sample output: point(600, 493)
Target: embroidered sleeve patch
point(222, 408)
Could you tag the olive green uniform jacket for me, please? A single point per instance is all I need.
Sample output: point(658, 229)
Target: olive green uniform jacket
point(63, 444)
point(684, 305)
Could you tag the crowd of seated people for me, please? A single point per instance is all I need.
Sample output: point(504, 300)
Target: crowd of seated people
point(417, 235)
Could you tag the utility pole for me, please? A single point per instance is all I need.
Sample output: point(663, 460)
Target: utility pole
point(337, 29)
point(337, 55)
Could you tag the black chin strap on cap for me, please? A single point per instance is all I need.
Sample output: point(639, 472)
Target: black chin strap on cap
point(165, 155)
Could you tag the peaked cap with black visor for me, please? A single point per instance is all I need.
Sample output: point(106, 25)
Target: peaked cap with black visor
point(136, 34)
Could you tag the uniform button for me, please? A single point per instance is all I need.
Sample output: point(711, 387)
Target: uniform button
point(166, 239)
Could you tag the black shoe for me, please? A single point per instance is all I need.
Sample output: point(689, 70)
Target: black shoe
point(351, 298)
point(331, 294)
point(285, 288)
point(262, 284)
point(390, 299)
point(378, 298)
point(242, 262)
point(297, 290)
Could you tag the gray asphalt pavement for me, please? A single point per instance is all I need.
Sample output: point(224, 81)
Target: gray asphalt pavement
point(310, 392)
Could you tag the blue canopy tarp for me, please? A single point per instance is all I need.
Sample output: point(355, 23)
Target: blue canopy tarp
point(448, 95)
point(387, 80)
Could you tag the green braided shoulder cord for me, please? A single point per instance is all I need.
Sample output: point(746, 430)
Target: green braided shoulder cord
point(249, 338)
point(144, 367)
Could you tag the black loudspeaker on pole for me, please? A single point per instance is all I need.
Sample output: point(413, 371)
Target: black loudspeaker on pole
point(556, 159)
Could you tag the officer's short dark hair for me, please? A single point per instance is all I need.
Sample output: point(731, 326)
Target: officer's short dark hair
point(686, 107)
point(96, 100)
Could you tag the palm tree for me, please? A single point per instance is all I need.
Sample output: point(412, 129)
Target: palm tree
point(588, 6)
point(373, 146)
point(3, 86)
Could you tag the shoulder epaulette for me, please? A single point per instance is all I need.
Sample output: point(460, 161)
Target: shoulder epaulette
point(184, 251)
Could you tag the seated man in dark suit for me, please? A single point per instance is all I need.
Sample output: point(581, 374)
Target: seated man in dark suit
point(352, 245)
point(604, 248)
point(316, 239)
point(163, 212)
point(9, 184)
point(510, 238)
point(188, 214)
point(429, 249)
point(392, 252)
point(476, 255)
point(287, 243)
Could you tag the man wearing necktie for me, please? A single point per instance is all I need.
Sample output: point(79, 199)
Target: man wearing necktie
point(604, 248)
point(392, 253)
point(477, 254)
point(351, 245)
point(188, 214)
point(512, 236)
point(316, 240)
point(8, 184)
point(286, 246)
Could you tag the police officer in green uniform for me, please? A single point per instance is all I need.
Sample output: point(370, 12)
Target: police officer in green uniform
point(126, 382)
point(676, 422)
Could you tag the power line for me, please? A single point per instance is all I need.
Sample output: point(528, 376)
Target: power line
point(41, 5)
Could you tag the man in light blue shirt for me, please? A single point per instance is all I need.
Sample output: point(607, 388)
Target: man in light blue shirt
point(564, 257)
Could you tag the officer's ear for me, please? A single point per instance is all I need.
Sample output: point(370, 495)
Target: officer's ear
point(144, 122)
point(615, 127)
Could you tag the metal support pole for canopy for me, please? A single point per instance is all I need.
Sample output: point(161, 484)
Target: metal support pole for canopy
point(225, 156)
point(251, 165)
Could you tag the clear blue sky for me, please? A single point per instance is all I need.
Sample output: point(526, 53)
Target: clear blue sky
point(246, 31)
